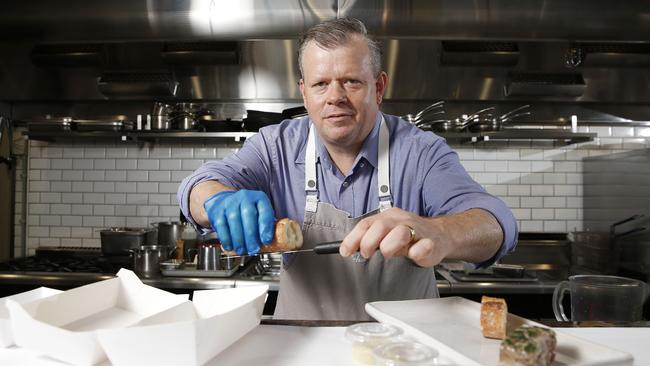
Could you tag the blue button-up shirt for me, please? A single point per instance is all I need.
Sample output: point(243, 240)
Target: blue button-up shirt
point(426, 176)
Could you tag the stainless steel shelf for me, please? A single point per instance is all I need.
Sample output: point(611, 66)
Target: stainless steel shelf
point(135, 135)
point(564, 136)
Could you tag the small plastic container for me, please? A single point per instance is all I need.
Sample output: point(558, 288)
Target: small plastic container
point(366, 336)
point(404, 353)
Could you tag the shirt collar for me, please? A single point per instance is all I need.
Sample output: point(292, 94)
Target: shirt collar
point(369, 148)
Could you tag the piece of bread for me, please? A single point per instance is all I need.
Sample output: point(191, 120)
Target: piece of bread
point(528, 346)
point(288, 236)
point(494, 317)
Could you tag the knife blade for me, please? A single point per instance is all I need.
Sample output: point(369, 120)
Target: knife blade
point(330, 247)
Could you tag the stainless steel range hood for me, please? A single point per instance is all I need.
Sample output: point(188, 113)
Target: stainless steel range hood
point(496, 50)
point(137, 20)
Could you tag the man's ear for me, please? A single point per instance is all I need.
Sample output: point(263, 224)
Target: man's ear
point(380, 85)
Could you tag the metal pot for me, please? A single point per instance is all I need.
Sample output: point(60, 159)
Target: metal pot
point(455, 125)
point(184, 122)
point(161, 109)
point(147, 259)
point(209, 258)
point(169, 232)
point(120, 240)
point(160, 122)
point(598, 250)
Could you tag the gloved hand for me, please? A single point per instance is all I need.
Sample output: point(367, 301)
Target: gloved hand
point(243, 219)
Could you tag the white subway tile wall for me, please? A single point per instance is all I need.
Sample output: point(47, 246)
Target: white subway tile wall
point(76, 190)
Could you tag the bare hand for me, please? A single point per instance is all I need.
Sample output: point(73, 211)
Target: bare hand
point(391, 233)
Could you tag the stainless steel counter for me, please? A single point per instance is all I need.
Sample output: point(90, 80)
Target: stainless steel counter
point(447, 285)
point(544, 285)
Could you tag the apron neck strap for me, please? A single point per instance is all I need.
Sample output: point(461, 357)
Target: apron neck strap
point(311, 186)
point(383, 170)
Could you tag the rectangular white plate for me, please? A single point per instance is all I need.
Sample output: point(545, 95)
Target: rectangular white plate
point(452, 326)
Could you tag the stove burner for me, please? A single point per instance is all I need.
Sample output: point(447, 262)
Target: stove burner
point(63, 264)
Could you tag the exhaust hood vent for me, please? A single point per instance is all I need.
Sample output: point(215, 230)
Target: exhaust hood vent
point(204, 53)
point(472, 53)
point(545, 84)
point(68, 55)
point(614, 54)
point(137, 84)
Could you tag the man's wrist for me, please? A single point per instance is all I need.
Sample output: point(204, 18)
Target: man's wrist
point(217, 197)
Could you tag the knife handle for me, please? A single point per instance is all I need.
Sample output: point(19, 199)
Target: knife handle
point(328, 248)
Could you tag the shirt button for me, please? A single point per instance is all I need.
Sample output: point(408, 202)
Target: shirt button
point(362, 165)
point(346, 183)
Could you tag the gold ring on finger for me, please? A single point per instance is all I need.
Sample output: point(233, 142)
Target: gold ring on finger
point(412, 233)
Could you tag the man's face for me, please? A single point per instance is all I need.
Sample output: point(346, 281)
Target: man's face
point(341, 92)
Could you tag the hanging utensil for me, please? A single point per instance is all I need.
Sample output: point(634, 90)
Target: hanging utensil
point(413, 118)
point(505, 115)
point(478, 113)
point(421, 121)
point(513, 116)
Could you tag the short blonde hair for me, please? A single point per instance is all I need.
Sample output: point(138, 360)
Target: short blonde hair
point(338, 32)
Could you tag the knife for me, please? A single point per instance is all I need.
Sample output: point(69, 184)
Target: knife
point(330, 247)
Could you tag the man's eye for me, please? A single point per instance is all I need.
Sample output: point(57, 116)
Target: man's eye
point(320, 84)
point(353, 82)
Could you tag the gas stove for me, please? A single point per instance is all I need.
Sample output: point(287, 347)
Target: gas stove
point(66, 260)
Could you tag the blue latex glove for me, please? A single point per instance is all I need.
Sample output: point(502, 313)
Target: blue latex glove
point(243, 219)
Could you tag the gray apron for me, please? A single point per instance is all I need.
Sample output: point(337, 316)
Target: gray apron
point(330, 287)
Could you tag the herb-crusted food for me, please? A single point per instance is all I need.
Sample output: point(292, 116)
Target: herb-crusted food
point(528, 346)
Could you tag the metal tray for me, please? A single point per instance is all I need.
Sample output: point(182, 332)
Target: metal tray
point(189, 270)
point(50, 124)
point(116, 123)
point(491, 277)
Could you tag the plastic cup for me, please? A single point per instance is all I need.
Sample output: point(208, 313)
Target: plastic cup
point(404, 353)
point(366, 336)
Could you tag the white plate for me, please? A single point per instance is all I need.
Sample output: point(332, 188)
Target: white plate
point(452, 326)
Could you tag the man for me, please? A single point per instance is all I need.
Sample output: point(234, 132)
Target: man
point(397, 196)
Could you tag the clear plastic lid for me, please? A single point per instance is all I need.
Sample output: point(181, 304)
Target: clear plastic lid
point(371, 332)
point(404, 354)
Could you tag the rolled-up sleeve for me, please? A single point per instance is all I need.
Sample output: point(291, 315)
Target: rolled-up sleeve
point(247, 168)
point(448, 189)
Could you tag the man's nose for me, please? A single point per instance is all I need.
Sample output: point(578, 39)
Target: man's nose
point(336, 93)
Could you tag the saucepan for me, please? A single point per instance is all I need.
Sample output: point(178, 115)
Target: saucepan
point(458, 124)
point(120, 240)
point(420, 115)
point(147, 258)
point(169, 232)
point(209, 258)
point(487, 123)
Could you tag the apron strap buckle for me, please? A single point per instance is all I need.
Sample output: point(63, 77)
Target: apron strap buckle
point(311, 203)
point(385, 204)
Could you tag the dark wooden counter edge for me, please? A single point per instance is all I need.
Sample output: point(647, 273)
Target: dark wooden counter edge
point(547, 322)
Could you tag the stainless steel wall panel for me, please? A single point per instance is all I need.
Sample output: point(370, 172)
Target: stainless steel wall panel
point(504, 19)
point(136, 20)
